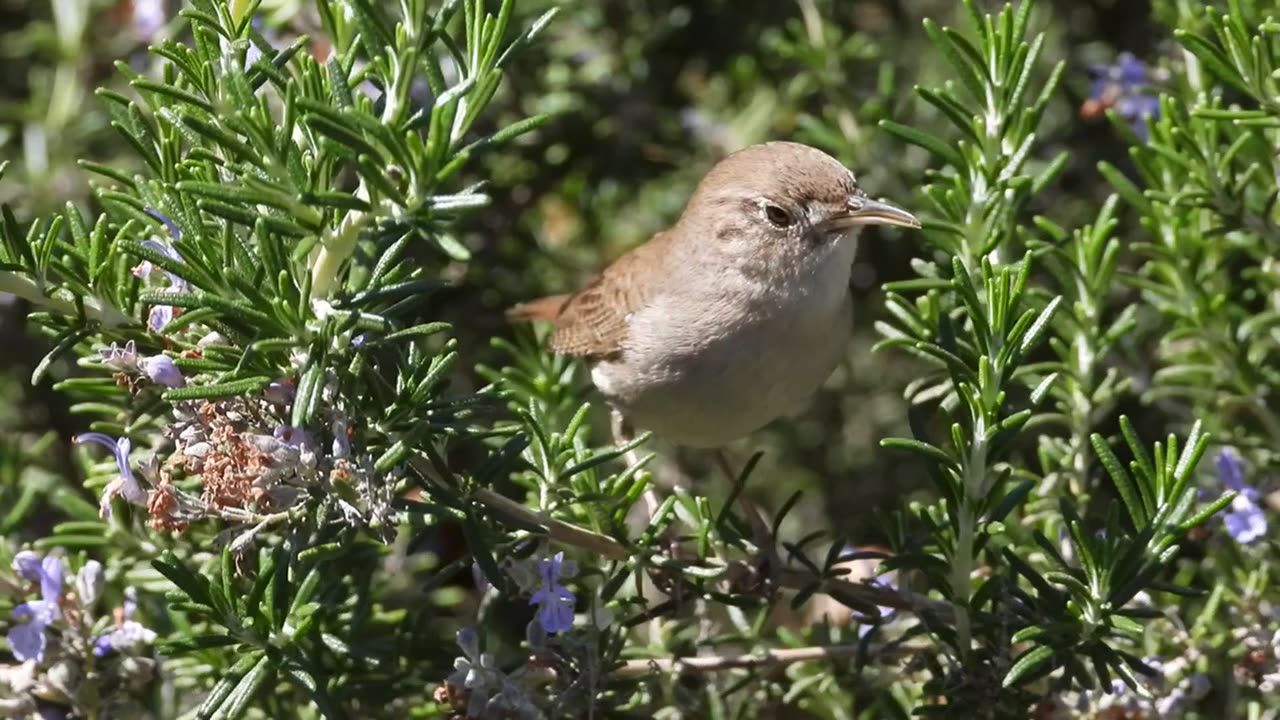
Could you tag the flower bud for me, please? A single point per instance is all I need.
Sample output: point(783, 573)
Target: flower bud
point(161, 370)
point(89, 582)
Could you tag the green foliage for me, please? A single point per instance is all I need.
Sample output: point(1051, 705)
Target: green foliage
point(352, 491)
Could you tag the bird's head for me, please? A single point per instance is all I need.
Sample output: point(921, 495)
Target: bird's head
point(787, 204)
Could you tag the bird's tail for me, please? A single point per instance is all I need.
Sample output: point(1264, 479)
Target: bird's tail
point(546, 308)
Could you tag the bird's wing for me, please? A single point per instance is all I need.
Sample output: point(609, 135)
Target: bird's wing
point(593, 321)
point(544, 308)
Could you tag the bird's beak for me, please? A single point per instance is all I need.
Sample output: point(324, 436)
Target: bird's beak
point(865, 211)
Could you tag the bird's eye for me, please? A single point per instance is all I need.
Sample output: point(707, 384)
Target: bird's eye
point(777, 215)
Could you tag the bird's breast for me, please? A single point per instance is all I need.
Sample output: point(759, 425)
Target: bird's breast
point(705, 371)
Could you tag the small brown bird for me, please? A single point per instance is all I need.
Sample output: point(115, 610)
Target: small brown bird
point(738, 313)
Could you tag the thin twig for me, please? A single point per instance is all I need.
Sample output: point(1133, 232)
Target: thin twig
point(558, 530)
point(605, 546)
point(711, 663)
point(641, 667)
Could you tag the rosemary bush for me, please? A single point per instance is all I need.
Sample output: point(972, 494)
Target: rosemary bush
point(278, 456)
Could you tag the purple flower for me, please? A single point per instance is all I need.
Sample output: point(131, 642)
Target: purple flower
point(1125, 86)
point(475, 672)
point(161, 370)
point(1172, 705)
point(148, 18)
point(128, 634)
point(890, 582)
point(125, 484)
point(160, 315)
point(280, 392)
point(555, 602)
point(341, 442)
point(144, 269)
point(121, 358)
point(88, 583)
point(28, 640)
point(28, 566)
point(292, 436)
point(1231, 470)
point(1245, 521)
point(168, 223)
point(254, 54)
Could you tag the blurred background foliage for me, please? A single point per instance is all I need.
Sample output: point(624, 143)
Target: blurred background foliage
point(647, 94)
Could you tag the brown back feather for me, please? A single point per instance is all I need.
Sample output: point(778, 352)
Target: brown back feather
point(593, 321)
point(544, 308)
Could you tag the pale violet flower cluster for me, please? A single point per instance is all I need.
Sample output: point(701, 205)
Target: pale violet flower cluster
point(160, 315)
point(28, 638)
point(1258, 642)
point(61, 641)
point(125, 484)
point(475, 672)
point(129, 634)
point(148, 18)
point(542, 579)
point(160, 369)
point(478, 688)
point(1127, 86)
point(1168, 694)
point(482, 688)
point(555, 602)
point(1244, 520)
